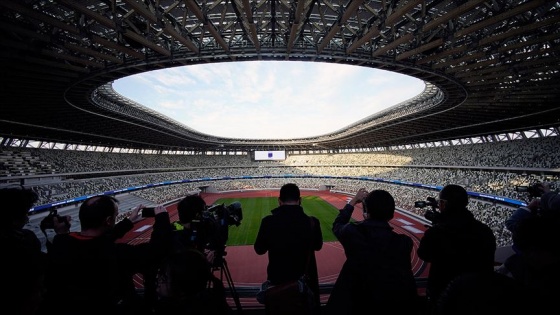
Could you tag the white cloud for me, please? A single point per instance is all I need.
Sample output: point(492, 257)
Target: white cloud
point(268, 100)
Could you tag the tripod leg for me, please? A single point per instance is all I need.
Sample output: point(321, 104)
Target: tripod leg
point(225, 270)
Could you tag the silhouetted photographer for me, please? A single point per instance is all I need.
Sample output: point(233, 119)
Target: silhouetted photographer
point(456, 244)
point(544, 202)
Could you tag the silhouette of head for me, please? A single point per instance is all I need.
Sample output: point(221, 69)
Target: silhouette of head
point(379, 205)
point(16, 203)
point(453, 197)
point(289, 193)
point(190, 207)
point(98, 212)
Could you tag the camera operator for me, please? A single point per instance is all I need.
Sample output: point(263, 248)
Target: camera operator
point(25, 263)
point(184, 280)
point(195, 228)
point(456, 244)
point(54, 221)
point(536, 258)
point(377, 273)
point(432, 214)
point(90, 272)
point(538, 205)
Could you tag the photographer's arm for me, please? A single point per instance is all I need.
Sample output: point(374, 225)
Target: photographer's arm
point(358, 197)
point(346, 213)
point(261, 244)
point(342, 219)
point(162, 231)
point(521, 214)
point(428, 247)
point(123, 226)
point(60, 225)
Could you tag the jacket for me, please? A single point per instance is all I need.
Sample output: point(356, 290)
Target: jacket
point(456, 245)
point(286, 235)
point(377, 271)
point(94, 275)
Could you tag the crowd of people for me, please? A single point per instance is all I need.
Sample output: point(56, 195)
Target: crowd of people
point(428, 166)
point(177, 270)
point(90, 271)
point(491, 168)
point(522, 153)
point(478, 225)
point(491, 213)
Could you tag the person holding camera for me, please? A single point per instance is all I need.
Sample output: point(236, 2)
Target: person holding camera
point(60, 224)
point(544, 203)
point(184, 280)
point(91, 272)
point(541, 196)
point(194, 229)
point(26, 262)
point(536, 259)
point(377, 273)
point(457, 243)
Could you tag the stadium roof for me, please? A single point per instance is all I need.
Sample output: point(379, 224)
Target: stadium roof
point(490, 67)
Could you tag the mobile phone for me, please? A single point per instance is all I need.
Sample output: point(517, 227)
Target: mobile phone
point(148, 212)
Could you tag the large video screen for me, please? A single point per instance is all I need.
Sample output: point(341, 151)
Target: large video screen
point(270, 155)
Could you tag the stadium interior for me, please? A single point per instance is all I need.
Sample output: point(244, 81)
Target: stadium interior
point(488, 118)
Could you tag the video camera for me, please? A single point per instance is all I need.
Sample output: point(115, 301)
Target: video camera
point(535, 190)
point(213, 227)
point(230, 215)
point(432, 214)
point(48, 221)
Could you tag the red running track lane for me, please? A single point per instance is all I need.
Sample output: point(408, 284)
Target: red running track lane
point(249, 269)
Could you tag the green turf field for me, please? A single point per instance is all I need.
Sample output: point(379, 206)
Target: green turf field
point(254, 209)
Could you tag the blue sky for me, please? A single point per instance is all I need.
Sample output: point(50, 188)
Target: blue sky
point(268, 99)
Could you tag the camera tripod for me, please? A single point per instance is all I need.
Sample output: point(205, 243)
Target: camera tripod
point(220, 263)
